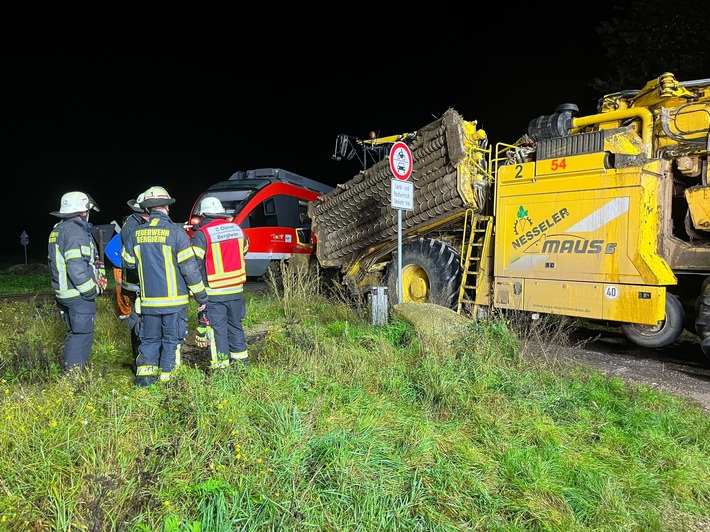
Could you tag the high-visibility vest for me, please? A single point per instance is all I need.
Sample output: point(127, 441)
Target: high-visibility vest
point(223, 256)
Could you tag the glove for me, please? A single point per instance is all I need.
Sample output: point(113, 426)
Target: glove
point(202, 339)
point(100, 276)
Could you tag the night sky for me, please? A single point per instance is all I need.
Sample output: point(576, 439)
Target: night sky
point(114, 119)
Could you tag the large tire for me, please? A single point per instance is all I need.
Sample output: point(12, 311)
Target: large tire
point(702, 320)
point(431, 273)
point(663, 334)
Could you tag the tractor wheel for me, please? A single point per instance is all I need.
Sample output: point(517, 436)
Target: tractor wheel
point(702, 320)
point(431, 273)
point(665, 333)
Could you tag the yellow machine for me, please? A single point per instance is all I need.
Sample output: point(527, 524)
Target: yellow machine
point(603, 217)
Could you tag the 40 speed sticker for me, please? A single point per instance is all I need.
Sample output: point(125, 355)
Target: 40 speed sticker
point(611, 292)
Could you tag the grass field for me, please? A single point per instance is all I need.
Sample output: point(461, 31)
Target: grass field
point(337, 424)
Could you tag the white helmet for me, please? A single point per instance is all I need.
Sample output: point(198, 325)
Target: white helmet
point(156, 197)
point(74, 203)
point(135, 204)
point(212, 207)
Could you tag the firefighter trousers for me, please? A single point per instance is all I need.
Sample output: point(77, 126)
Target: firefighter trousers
point(161, 338)
point(226, 321)
point(78, 316)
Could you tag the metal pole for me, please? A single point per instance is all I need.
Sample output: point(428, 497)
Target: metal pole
point(399, 255)
point(101, 245)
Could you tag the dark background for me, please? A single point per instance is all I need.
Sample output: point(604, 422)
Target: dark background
point(111, 118)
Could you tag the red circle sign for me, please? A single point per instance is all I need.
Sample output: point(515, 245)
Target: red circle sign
point(401, 161)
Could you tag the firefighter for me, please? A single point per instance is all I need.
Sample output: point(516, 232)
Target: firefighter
point(220, 246)
point(78, 276)
point(128, 299)
point(161, 254)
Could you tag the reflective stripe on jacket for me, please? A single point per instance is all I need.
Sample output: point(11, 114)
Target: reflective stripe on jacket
point(72, 255)
point(168, 271)
point(219, 246)
point(129, 281)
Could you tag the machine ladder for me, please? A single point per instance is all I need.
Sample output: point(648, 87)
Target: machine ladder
point(474, 262)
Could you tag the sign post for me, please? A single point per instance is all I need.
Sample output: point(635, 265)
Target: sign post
point(24, 240)
point(402, 195)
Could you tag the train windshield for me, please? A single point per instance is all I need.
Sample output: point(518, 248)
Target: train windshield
point(233, 201)
point(234, 195)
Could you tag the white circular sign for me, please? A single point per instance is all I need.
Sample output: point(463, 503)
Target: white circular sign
point(611, 292)
point(401, 161)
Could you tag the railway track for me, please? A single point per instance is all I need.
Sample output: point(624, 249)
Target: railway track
point(41, 298)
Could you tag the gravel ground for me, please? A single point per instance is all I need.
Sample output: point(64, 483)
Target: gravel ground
point(680, 369)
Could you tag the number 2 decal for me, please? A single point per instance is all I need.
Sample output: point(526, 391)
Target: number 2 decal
point(518, 171)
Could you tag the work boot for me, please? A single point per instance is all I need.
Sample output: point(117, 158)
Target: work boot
point(72, 371)
point(240, 357)
point(146, 380)
point(217, 364)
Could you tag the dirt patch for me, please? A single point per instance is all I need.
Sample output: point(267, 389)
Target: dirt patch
point(199, 357)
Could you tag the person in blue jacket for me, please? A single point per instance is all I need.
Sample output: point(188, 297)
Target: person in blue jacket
point(161, 253)
point(78, 276)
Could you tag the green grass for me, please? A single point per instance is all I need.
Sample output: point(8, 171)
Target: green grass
point(338, 425)
point(32, 278)
point(25, 278)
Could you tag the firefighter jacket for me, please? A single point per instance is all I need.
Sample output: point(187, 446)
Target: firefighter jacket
point(129, 278)
point(72, 257)
point(219, 247)
point(167, 269)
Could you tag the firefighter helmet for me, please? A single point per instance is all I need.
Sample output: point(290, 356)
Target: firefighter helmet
point(212, 207)
point(156, 197)
point(74, 203)
point(134, 204)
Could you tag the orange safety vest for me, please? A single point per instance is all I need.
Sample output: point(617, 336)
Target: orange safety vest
point(224, 257)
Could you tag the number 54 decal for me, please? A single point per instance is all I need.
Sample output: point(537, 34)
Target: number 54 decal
point(558, 164)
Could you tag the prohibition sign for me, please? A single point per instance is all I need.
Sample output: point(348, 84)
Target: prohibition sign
point(401, 161)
